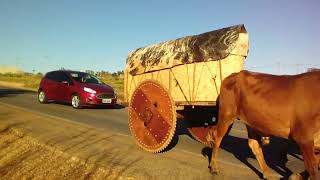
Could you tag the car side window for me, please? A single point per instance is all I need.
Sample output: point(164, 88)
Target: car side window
point(61, 76)
point(51, 76)
point(55, 76)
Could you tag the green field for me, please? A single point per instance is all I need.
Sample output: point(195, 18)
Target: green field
point(31, 81)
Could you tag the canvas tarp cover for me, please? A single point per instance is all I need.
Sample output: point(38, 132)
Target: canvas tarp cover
point(208, 46)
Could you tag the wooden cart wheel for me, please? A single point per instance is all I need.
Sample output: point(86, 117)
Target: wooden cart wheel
point(152, 116)
point(199, 120)
point(199, 133)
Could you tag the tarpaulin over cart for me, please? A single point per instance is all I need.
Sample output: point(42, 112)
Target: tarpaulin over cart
point(209, 46)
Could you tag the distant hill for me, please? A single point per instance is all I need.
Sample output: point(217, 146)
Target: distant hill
point(9, 69)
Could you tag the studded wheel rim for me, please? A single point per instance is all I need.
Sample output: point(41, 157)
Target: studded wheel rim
point(41, 96)
point(152, 118)
point(75, 101)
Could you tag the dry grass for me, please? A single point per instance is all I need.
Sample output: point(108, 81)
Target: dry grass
point(30, 81)
point(116, 82)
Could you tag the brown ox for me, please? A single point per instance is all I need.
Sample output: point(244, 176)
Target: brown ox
point(282, 106)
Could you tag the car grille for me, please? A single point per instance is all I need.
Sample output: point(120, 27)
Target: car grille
point(105, 96)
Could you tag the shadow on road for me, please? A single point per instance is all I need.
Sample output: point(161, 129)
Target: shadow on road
point(275, 153)
point(7, 92)
point(116, 106)
point(181, 129)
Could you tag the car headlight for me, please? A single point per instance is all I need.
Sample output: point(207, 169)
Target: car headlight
point(89, 90)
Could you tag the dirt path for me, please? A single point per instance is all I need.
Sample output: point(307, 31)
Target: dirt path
point(39, 146)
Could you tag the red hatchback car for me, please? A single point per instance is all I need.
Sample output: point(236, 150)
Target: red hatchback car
point(78, 88)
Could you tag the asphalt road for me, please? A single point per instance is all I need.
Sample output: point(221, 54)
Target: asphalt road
point(234, 151)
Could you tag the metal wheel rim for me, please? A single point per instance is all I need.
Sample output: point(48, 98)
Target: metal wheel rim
point(75, 101)
point(41, 96)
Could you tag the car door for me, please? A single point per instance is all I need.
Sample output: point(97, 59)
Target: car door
point(50, 85)
point(64, 87)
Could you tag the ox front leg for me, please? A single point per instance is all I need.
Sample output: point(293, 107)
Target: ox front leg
point(253, 141)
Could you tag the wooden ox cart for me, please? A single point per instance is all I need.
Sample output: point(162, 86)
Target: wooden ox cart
point(180, 79)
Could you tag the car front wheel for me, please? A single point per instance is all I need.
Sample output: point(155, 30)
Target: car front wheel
point(42, 98)
point(76, 102)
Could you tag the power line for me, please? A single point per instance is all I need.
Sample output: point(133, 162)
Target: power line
point(283, 68)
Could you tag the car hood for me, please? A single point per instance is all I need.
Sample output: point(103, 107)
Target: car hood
point(100, 88)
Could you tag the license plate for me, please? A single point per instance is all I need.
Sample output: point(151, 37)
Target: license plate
point(106, 100)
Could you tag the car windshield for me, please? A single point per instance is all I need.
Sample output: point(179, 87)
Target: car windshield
point(85, 78)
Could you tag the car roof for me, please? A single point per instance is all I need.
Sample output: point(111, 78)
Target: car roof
point(67, 71)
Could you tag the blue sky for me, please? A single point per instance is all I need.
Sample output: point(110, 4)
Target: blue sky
point(44, 35)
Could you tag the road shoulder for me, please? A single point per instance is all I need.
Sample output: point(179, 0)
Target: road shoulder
point(34, 145)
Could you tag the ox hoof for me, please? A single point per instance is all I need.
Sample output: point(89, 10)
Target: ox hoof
point(267, 175)
point(214, 171)
point(295, 176)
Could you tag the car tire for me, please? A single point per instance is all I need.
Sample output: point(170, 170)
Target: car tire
point(42, 98)
point(76, 102)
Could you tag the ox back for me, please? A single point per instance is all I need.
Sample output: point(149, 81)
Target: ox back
point(286, 106)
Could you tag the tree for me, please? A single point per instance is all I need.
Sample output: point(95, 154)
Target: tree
point(90, 72)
